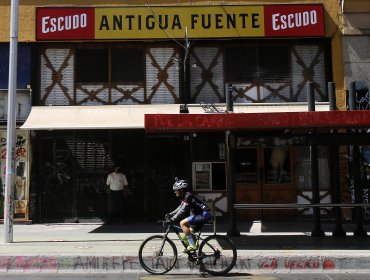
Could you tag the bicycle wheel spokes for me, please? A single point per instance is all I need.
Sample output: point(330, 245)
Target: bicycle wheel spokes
point(217, 255)
point(156, 256)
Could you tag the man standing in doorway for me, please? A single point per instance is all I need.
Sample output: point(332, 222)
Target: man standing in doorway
point(117, 183)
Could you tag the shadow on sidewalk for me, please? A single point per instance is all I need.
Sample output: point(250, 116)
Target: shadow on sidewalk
point(129, 228)
point(296, 235)
point(300, 242)
point(140, 227)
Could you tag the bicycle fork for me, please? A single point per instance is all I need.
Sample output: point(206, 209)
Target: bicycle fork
point(165, 235)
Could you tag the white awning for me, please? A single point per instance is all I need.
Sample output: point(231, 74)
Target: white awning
point(132, 116)
point(94, 117)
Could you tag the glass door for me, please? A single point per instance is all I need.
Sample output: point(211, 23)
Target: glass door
point(277, 186)
point(248, 181)
point(264, 175)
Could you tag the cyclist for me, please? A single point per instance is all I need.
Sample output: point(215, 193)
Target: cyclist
point(200, 213)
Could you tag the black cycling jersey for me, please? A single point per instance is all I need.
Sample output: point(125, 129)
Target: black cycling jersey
point(188, 203)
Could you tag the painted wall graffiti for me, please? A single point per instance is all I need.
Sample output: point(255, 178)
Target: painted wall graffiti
point(125, 263)
point(297, 264)
point(269, 264)
point(21, 179)
point(56, 171)
point(365, 199)
point(362, 99)
point(78, 263)
point(364, 182)
point(362, 102)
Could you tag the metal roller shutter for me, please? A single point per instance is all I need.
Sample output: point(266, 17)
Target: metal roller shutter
point(206, 75)
point(162, 76)
point(308, 59)
point(57, 77)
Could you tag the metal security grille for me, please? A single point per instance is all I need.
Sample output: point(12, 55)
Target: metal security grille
point(72, 170)
point(89, 154)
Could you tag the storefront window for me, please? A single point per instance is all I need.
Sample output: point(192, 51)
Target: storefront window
point(202, 176)
point(277, 165)
point(246, 166)
point(209, 176)
point(366, 155)
point(304, 181)
point(209, 147)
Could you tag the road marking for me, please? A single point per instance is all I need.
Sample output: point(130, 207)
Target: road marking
point(328, 277)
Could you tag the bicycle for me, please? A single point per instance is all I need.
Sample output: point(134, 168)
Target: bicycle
point(216, 254)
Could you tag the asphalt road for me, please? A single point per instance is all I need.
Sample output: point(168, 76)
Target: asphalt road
point(145, 276)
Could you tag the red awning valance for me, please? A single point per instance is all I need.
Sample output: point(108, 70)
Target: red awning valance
point(157, 123)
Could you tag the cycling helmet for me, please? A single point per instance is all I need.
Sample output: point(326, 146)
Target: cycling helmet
point(179, 185)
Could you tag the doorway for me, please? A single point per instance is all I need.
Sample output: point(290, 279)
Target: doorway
point(264, 174)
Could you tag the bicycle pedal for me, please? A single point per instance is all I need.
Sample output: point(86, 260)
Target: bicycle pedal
point(203, 275)
point(193, 258)
point(192, 255)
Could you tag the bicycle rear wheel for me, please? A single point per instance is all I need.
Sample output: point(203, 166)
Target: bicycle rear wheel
point(217, 254)
point(157, 256)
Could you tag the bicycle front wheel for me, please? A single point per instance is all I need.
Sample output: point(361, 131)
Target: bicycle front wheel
point(217, 254)
point(157, 255)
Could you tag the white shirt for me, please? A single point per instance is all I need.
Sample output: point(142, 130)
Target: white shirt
point(116, 181)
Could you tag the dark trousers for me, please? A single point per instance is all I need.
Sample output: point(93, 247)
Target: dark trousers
point(116, 203)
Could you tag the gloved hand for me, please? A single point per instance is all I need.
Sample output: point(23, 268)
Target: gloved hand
point(168, 218)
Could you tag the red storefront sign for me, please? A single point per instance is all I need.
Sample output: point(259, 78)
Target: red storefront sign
point(159, 123)
point(65, 23)
point(294, 20)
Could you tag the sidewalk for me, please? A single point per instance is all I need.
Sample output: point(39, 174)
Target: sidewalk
point(262, 247)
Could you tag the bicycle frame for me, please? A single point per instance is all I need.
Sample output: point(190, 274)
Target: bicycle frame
point(177, 230)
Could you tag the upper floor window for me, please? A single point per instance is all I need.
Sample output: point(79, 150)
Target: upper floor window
point(116, 65)
point(275, 62)
point(128, 65)
point(92, 65)
point(241, 63)
point(257, 63)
